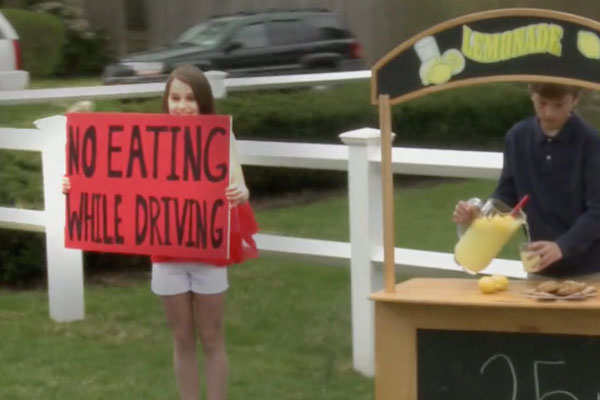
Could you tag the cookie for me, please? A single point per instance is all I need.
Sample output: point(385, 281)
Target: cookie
point(588, 290)
point(548, 287)
point(568, 288)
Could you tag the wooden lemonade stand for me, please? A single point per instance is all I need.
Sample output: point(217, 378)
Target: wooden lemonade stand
point(443, 338)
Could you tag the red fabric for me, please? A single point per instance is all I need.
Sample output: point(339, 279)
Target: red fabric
point(241, 243)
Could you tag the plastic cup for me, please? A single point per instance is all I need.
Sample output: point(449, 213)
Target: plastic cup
point(529, 259)
point(427, 48)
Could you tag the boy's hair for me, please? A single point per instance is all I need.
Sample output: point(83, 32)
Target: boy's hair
point(191, 75)
point(554, 90)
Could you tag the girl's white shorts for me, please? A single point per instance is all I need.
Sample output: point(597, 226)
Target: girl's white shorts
point(170, 278)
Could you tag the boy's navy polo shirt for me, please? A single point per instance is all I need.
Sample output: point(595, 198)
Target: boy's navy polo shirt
point(562, 176)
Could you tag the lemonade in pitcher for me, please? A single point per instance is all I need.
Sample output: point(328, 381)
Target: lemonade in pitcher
point(486, 236)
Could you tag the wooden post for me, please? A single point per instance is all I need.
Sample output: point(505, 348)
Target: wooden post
point(387, 182)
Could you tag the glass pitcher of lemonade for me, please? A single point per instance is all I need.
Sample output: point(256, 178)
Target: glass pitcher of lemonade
point(487, 235)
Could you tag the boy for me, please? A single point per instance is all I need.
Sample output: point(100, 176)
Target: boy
point(555, 158)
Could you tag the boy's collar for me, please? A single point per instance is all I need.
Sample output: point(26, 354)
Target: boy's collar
point(561, 136)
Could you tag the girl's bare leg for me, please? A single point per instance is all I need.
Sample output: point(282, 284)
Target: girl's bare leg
point(180, 317)
point(209, 310)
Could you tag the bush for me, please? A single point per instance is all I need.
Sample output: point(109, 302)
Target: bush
point(22, 257)
point(21, 179)
point(41, 37)
point(316, 116)
point(85, 55)
point(23, 260)
point(475, 117)
point(87, 49)
point(467, 118)
point(471, 117)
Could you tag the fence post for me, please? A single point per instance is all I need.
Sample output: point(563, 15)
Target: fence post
point(217, 83)
point(64, 266)
point(366, 234)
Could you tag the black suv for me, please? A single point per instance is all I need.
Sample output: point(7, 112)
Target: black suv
point(247, 44)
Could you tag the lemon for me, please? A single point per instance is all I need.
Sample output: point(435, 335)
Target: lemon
point(588, 44)
point(455, 60)
point(487, 285)
point(439, 73)
point(425, 67)
point(500, 281)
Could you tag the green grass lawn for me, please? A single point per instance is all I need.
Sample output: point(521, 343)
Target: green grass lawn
point(288, 334)
point(422, 216)
point(288, 321)
point(50, 83)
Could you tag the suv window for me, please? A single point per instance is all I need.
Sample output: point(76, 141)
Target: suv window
point(328, 27)
point(251, 36)
point(286, 32)
point(205, 35)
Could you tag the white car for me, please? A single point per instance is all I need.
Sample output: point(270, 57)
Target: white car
point(12, 77)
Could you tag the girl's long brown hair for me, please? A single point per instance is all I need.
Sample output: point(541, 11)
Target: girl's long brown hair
point(192, 76)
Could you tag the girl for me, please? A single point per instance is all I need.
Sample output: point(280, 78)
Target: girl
point(193, 291)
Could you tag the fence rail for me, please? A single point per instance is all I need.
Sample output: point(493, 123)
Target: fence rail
point(220, 84)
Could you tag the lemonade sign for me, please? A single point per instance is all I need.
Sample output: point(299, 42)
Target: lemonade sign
point(501, 45)
point(515, 44)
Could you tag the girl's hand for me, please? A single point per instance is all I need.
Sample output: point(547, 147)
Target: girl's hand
point(237, 194)
point(65, 185)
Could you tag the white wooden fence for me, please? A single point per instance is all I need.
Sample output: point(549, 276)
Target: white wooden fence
point(359, 155)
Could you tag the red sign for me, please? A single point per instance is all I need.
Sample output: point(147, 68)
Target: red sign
point(148, 184)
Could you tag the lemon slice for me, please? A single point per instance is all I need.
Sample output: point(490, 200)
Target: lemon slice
point(588, 44)
point(455, 60)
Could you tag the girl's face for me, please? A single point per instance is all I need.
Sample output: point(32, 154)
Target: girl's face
point(181, 99)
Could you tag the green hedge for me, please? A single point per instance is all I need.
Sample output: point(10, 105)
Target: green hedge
point(41, 37)
point(21, 179)
point(469, 118)
point(22, 258)
point(475, 117)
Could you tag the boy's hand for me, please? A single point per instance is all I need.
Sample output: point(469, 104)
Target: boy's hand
point(65, 185)
point(237, 194)
point(549, 253)
point(464, 213)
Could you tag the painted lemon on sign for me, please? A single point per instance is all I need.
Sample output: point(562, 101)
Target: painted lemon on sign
point(439, 73)
point(425, 67)
point(588, 44)
point(440, 69)
point(455, 60)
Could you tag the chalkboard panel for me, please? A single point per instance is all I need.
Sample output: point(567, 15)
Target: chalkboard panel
point(461, 365)
point(498, 45)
